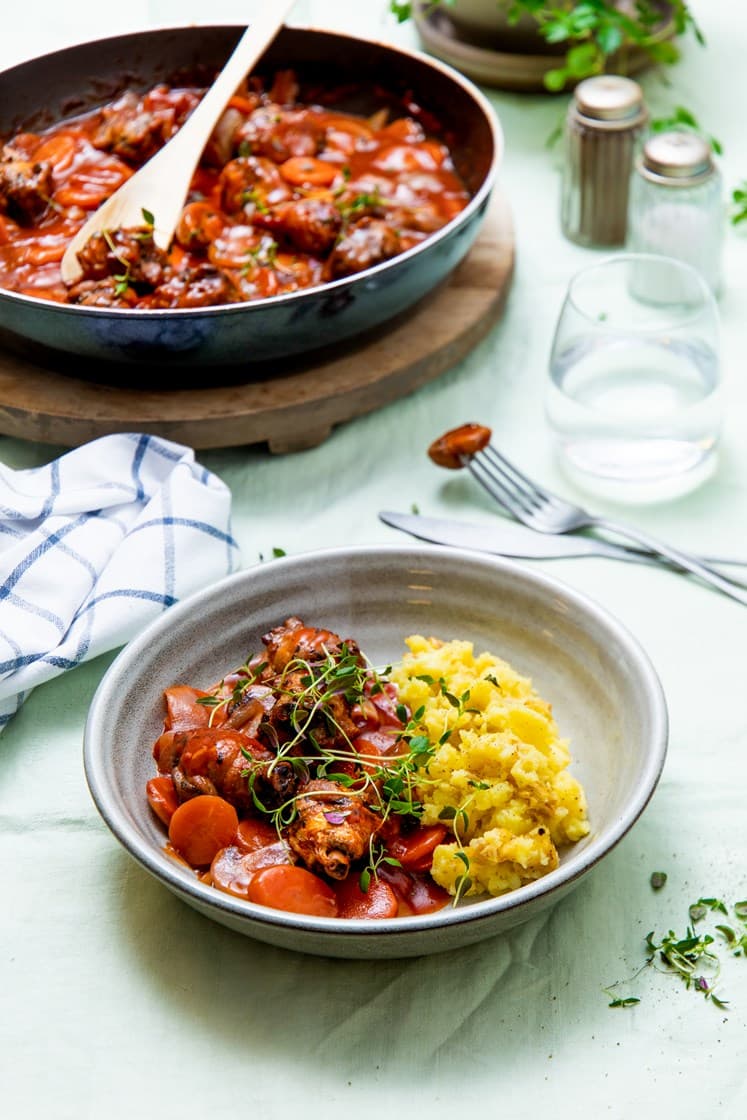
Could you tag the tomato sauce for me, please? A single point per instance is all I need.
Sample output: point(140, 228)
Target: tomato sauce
point(286, 196)
point(280, 785)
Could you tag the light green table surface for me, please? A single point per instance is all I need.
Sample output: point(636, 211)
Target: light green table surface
point(118, 1001)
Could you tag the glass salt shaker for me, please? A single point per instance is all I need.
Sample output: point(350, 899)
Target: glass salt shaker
point(601, 136)
point(677, 204)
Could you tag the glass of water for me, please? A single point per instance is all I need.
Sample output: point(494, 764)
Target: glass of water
point(634, 397)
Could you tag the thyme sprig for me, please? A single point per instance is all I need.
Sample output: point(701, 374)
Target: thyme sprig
point(693, 957)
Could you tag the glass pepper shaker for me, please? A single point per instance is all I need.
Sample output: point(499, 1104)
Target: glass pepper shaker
point(677, 206)
point(602, 132)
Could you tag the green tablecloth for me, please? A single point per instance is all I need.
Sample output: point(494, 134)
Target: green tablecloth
point(118, 1000)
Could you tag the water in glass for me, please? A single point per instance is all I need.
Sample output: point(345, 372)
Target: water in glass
point(635, 408)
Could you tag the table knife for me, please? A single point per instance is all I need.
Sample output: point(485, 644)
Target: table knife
point(507, 538)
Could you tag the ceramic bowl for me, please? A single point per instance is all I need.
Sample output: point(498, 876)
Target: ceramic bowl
point(605, 694)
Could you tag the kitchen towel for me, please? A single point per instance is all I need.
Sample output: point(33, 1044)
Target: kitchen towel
point(96, 544)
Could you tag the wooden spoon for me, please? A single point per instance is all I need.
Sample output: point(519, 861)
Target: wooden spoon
point(161, 184)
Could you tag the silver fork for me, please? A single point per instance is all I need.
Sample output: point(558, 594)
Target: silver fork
point(545, 512)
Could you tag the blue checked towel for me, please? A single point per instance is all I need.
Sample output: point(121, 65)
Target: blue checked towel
point(95, 545)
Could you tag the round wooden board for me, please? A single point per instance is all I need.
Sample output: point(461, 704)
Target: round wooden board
point(294, 409)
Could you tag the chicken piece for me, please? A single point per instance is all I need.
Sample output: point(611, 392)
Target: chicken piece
point(281, 133)
point(227, 763)
point(423, 218)
point(102, 293)
point(128, 253)
point(329, 725)
point(203, 286)
point(455, 447)
point(365, 244)
point(333, 828)
point(25, 187)
point(252, 181)
point(132, 130)
point(294, 639)
point(199, 225)
point(311, 225)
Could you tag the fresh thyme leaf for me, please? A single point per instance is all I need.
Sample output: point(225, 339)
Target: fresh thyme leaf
point(341, 779)
point(251, 194)
point(463, 857)
point(699, 909)
point(740, 909)
point(415, 508)
point(658, 879)
point(462, 886)
point(148, 217)
point(739, 204)
point(278, 552)
point(626, 1001)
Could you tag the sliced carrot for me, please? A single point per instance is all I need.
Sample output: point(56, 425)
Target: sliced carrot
point(294, 889)
point(253, 834)
point(243, 104)
point(183, 712)
point(201, 827)
point(379, 901)
point(233, 869)
point(162, 798)
point(57, 150)
point(415, 851)
point(352, 125)
point(403, 130)
point(307, 171)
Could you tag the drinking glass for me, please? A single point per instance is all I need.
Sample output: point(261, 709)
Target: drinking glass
point(634, 395)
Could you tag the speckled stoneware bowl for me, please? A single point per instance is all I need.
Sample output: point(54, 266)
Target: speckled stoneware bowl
point(605, 694)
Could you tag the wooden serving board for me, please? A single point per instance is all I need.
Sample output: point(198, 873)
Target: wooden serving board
point(297, 407)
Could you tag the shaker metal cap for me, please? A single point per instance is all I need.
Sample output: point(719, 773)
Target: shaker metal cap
point(609, 97)
point(683, 156)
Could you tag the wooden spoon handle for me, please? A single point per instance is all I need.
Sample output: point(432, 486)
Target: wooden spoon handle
point(161, 185)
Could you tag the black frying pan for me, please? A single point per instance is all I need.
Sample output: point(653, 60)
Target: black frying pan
point(44, 90)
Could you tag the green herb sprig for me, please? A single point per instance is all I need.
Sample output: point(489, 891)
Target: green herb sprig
point(682, 119)
point(739, 204)
point(594, 30)
point(693, 957)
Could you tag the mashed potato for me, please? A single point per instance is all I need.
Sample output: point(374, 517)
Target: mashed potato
point(499, 775)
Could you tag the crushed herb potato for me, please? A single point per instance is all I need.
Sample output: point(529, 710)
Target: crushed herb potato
point(499, 775)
